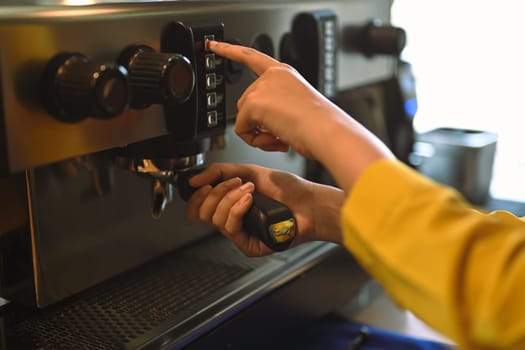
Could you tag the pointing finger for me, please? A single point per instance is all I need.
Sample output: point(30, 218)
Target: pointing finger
point(257, 61)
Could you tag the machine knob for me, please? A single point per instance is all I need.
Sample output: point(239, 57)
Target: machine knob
point(375, 38)
point(74, 87)
point(157, 77)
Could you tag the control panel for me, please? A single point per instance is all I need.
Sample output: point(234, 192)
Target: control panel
point(184, 78)
point(311, 47)
point(207, 102)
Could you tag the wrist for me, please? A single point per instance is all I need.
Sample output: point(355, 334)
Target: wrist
point(326, 218)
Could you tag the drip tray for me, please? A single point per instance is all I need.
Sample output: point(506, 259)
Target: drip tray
point(164, 304)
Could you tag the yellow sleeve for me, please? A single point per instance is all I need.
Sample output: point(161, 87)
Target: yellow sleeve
point(460, 270)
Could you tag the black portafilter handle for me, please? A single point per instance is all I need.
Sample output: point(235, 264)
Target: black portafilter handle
point(267, 219)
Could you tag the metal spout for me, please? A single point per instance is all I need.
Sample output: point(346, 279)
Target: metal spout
point(162, 195)
point(163, 174)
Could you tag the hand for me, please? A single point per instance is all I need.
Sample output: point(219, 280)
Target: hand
point(281, 109)
point(315, 207)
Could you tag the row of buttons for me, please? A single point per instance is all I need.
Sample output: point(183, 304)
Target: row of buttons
point(212, 80)
point(329, 51)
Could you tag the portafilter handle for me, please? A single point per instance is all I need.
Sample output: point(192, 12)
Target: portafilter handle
point(267, 219)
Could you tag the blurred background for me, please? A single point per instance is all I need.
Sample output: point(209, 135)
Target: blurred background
point(467, 58)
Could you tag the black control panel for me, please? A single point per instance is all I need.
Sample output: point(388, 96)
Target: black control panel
point(311, 47)
point(207, 102)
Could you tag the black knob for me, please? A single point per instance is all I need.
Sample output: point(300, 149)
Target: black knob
point(157, 77)
point(375, 38)
point(74, 87)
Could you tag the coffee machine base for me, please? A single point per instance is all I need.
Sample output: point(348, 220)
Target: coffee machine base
point(180, 299)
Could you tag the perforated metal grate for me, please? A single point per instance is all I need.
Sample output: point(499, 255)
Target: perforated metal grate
point(130, 306)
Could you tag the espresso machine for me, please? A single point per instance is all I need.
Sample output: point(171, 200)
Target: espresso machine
point(105, 107)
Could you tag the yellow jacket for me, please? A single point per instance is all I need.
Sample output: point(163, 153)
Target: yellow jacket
point(457, 268)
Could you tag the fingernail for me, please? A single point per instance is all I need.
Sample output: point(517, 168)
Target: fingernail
point(247, 186)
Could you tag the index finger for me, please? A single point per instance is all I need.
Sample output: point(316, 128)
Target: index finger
point(257, 61)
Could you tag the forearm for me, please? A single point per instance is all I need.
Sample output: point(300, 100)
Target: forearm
point(346, 148)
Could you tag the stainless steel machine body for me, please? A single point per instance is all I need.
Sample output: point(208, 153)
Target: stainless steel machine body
point(73, 218)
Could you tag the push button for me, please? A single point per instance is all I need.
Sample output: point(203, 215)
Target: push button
point(211, 81)
point(213, 119)
point(209, 62)
point(207, 38)
point(211, 100)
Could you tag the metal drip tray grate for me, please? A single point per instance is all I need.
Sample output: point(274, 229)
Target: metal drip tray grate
point(137, 304)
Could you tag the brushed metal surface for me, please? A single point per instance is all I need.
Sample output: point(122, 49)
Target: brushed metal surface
point(91, 218)
point(31, 35)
